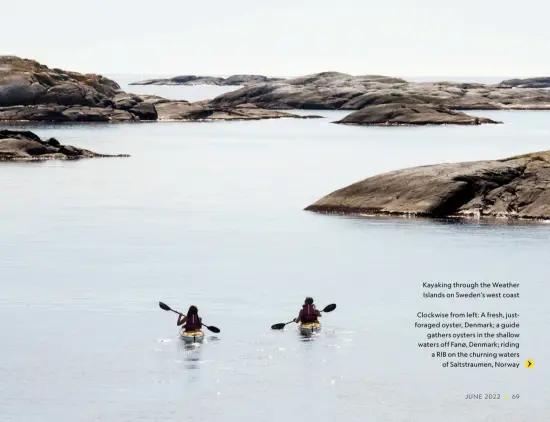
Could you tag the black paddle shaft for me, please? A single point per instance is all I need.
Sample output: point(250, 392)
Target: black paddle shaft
point(281, 325)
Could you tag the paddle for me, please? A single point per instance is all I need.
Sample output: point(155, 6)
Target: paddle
point(167, 308)
point(281, 325)
point(329, 308)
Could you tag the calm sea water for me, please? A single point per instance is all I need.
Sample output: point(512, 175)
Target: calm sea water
point(211, 214)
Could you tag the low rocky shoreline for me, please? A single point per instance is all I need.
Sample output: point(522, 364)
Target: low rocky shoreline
point(19, 145)
point(31, 91)
point(512, 188)
point(340, 91)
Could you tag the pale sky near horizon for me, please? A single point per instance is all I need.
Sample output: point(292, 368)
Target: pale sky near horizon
point(287, 37)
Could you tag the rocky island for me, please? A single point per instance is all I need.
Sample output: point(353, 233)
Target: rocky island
point(514, 188)
point(19, 145)
point(410, 114)
point(541, 82)
point(190, 80)
point(340, 91)
point(31, 91)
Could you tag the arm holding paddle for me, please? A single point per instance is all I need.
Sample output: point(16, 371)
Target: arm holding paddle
point(281, 325)
point(165, 307)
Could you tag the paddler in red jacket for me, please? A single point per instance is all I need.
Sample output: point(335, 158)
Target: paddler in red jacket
point(192, 320)
point(309, 312)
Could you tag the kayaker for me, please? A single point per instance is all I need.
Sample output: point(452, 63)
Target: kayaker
point(192, 320)
point(308, 313)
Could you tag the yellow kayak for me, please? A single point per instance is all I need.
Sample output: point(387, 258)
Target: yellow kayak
point(195, 336)
point(310, 327)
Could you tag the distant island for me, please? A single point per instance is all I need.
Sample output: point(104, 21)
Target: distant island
point(235, 80)
point(341, 91)
point(541, 82)
point(31, 91)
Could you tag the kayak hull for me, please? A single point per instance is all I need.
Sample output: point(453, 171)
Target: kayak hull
point(195, 336)
point(308, 328)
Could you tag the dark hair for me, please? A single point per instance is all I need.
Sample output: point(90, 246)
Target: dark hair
point(192, 311)
point(309, 301)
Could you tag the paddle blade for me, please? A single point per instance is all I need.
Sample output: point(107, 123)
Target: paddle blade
point(213, 329)
point(164, 306)
point(279, 326)
point(330, 308)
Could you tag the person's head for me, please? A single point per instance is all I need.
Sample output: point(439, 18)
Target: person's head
point(309, 301)
point(192, 310)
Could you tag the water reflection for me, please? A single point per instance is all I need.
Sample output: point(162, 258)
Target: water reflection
point(308, 336)
point(445, 221)
point(191, 354)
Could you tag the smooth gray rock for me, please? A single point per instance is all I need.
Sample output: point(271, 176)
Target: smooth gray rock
point(410, 114)
point(27, 146)
point(540, 82)
point(201, 111)
point(182, 110)
point(38, 113)
point(188, 80)
point(515, 187)
point(155, 99)
point(95, 114)
point(71, 93)
point(27, 82)
point(251, 112)
point(333, 91)
point(144, 111)
point(126, 101)
point(57, 113)
point(196, 80)
point(30, 91)
point(209, 80)
point(248, 80)
point(19, 90)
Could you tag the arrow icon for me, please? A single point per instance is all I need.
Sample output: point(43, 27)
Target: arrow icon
point(530, 363)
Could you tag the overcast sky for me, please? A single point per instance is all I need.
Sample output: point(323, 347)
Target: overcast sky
point(283, 37)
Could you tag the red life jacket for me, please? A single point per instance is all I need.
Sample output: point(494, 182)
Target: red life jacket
point(309, 313)
point(192, 323)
